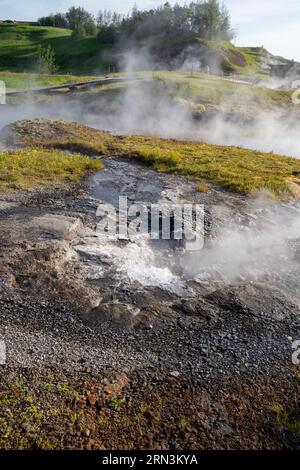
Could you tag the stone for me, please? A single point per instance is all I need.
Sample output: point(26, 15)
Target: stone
point(115, 314)
point(175, 374)
point(59, 226)
point(91, 399)
point(116, 385)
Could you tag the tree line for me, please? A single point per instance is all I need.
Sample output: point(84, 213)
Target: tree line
point(207, 19)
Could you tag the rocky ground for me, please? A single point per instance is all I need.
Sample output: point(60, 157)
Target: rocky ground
point(100, 357)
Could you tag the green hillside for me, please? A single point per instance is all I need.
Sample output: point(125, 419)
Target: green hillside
point(19, 45)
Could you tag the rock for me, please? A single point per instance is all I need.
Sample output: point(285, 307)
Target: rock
point(26, 427)
point(116, 385)
point(91, 399)
point(254, 300)
point(86, 433)
point(175, 374)
point(58, 226)
point(197, 307)
point(115, 314)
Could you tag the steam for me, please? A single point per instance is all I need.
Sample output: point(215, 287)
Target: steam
point(262, 249)
point(268, 133)
point(153, 107)
point(267, 249)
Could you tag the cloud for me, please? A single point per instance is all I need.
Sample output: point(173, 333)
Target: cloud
point(251, 11)
point(275, 24)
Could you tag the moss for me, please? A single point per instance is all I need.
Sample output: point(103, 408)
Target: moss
point(115, 403)
point(287, 421)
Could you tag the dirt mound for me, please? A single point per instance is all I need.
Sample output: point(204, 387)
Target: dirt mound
point(62, 135)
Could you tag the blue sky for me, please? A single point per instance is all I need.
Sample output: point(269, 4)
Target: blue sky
point(274, 24)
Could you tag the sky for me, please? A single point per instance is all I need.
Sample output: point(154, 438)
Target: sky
point(274, 24)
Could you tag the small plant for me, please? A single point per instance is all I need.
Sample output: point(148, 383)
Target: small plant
point(62, 388)
point(48, 387)
point(46, 60)
point(115, 403)
point(183, 423)
point(202, 188)
point(285, 420)
point(75, 418)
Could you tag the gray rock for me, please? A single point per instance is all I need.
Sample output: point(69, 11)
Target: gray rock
point(59, 226)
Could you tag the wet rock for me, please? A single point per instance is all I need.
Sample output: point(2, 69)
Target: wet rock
point(58, 226)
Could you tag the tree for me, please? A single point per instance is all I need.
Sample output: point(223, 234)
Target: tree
point(46, 60)
point(107, 34)
point(81, 21)
point(210, 20)
point(79, 32)
point(58, 20)
point(46, 20)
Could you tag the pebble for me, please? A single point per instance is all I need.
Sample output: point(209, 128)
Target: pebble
point(175, 374)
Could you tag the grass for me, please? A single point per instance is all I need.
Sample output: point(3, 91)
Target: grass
point(15, 80)
point(115, 403)
point(36, 167)
point(205, 89)
point(19, 45)
point(199, 92)
point(202, 92)
point(236, 59)
point(286, 420)
point(232, 168)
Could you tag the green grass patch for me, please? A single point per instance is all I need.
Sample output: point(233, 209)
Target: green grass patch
point(232, 168)
point(31, 168)
point(15, 80)
point(19, 46)
point(226, 95)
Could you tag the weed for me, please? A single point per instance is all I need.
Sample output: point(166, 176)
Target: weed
point(115, 403)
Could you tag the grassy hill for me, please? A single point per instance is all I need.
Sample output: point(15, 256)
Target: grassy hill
point(19, 44)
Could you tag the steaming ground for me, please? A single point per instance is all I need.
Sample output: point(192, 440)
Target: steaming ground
point(151, 109)
point(254, 241)
point(255, 244)
point(130, 324)
point(194, 350)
